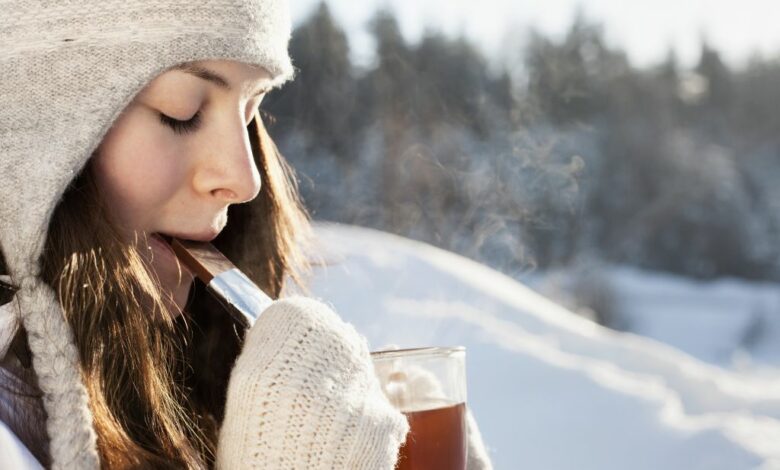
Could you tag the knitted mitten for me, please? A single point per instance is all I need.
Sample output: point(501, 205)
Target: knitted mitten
point(303, 394)
point(478, 457)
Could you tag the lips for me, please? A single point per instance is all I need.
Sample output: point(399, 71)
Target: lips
point(200, 237)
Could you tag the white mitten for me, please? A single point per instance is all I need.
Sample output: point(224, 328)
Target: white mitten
point(478, 457)
point(303, 395)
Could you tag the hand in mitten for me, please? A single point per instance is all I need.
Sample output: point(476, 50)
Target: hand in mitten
point(303, 394)
point(478, 457)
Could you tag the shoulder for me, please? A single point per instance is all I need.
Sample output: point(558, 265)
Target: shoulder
point(13, 454)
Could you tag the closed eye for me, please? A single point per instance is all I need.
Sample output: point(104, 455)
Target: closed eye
point(182, 127)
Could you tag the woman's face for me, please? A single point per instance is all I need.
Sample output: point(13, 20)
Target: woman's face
point(178, 156)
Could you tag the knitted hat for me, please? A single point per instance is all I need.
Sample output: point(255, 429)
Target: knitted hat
point(69, 67)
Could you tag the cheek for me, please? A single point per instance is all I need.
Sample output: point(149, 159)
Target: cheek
point(139, 169)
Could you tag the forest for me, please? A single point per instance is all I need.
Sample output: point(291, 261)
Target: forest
point(568, 152)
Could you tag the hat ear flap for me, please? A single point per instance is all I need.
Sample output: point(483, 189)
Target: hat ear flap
point(57, 367)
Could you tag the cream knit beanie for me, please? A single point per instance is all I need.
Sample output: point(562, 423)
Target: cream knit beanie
point(69, 67)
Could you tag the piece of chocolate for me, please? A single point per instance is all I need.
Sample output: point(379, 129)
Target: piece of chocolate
point(241, 297)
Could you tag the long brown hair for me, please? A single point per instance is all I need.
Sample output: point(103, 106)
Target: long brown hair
point(156, 381)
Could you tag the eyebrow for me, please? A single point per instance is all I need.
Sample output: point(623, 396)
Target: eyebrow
point(215, 78)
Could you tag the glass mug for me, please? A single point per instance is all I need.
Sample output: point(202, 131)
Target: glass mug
point(428, 385)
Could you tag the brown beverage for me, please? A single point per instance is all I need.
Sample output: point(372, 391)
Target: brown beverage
point(437, 440)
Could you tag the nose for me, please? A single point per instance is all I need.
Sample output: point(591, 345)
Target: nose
point(226, 170)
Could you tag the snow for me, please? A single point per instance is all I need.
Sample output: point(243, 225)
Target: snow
point(549, 388)
point(720, 322)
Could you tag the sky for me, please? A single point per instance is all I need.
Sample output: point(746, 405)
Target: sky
point(646, 30)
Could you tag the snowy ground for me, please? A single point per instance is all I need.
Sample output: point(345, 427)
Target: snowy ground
point(550, 389)
point(728, 322)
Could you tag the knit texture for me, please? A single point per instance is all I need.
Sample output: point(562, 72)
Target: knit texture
point(478, 458)
point(304, 394)
point(69, 69)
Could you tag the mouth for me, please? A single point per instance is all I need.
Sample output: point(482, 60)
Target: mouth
point(166, 238)
point(164, 243)
point(201, 237)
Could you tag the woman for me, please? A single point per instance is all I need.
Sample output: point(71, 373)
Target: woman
point(121, 121)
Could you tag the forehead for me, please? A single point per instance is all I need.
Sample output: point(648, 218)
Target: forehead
point(226, 75)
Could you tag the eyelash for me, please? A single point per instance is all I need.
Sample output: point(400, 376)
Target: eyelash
point(181, 127)
point(189, 126)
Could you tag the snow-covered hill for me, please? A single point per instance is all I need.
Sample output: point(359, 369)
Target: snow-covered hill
point(550, 389)
point(730, 322)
